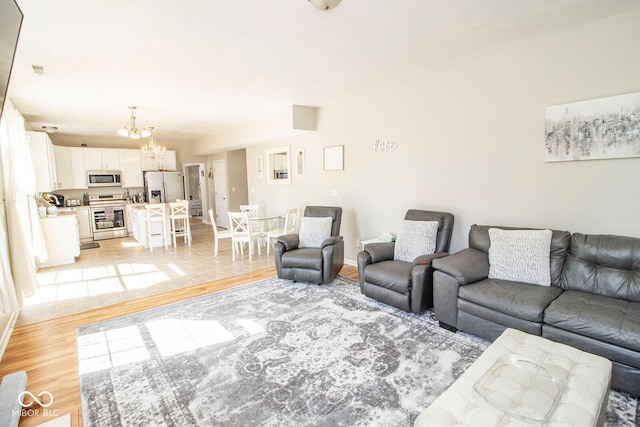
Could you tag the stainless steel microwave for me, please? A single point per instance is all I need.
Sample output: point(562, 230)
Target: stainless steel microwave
point(104, 179)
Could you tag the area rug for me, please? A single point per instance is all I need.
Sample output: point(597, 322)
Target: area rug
point(275, 353)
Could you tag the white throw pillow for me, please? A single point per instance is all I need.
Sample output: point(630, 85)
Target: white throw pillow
point(415, 238)
point(520, 256)
point(314, 231)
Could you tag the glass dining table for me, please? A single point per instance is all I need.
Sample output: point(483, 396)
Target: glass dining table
point(266, 223)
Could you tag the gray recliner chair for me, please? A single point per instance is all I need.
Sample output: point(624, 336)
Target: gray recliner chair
point(405, 285)
point(312, 264)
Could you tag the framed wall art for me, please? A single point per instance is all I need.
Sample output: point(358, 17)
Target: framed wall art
point(278, 166)
point(299, 162)
point(334, 158)
point(259, 167)
point(603, 128)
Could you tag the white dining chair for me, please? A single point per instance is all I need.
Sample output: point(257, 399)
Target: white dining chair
point(219, 234)
point(242, 232)
point(290, 218)
point(252, 210)
point(155, 214)
point(179, 216)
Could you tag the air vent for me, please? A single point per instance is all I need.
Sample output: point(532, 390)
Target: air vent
point(39, 69)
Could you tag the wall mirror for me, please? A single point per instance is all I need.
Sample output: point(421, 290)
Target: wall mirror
point(279, 165)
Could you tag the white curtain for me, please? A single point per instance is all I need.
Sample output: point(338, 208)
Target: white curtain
point(21, 236)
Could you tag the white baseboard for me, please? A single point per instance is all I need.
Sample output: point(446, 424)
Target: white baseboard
point(351, 262)
point(7, 322)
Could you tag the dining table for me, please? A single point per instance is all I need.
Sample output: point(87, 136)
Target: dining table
point(266, 223)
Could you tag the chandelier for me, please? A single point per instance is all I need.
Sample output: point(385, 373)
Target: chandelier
point(131, 130)
point(325, 4)
point(153, 150)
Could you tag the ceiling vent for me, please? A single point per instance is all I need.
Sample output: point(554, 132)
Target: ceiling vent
point(39, 69)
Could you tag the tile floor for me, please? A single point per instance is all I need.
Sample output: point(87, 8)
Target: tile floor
point(122, 270)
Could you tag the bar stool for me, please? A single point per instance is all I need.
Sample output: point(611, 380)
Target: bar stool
point(155, 215)
point(179, 215)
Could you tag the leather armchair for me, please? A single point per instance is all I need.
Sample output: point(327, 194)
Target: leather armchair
point(313, 265)
point(405, 285)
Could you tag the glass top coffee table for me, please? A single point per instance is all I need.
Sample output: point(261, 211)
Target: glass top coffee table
point(522, 387)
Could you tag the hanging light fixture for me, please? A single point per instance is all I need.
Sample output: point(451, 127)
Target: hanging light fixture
point(153, 150)
point(325, 4)
point(131, 130)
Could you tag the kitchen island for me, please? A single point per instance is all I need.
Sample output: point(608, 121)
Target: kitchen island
point(137, 216)
point(61, 238)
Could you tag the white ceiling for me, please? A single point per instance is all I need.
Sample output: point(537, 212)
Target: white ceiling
point(196, 67)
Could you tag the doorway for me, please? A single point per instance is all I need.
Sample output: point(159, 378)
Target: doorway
point(193, 188)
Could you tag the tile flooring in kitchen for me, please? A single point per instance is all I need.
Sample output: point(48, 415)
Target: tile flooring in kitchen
point(121, 270)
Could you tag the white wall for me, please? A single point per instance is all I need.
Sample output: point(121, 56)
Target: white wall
point(470, 141)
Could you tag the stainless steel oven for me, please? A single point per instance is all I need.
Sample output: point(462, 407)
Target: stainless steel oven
point(107, 216)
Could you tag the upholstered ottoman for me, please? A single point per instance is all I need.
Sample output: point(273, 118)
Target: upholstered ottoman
point(582, 378)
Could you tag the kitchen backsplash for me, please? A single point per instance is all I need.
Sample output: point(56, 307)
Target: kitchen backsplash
point(78, 194)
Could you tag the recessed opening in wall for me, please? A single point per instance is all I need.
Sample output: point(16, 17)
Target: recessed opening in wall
point(279, 165)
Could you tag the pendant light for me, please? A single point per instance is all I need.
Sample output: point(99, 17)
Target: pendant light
point(130, 129)
point(325, 4)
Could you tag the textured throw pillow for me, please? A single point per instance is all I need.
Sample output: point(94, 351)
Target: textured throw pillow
point(314, 231)
point(520, 256)
point(415, 238)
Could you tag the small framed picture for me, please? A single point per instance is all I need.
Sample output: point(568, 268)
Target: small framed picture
point(260, 167)
point(334, 158)
point(299, 162)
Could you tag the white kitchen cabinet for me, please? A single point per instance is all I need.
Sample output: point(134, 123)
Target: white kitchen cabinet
point(84, 223)
point(78, 171)
point(70, 167)
point(44, 164)
point(111, 159)
point(96, 159)
point(63, 166)
point(61, 239)
point(166, 163)
point(169, 162)
point(137, 219)
point(131, 167)
point(132, 219)
point(93, 159)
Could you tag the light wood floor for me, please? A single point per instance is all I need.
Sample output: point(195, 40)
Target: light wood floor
point(47, 350)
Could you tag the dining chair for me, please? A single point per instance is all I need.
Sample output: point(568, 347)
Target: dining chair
point(252, 210)
point(242, 232)
point(290, 217)
point(179, 216)
point(155, 215)
point(219, 234)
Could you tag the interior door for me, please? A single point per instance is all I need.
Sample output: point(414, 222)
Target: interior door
point(220, 187)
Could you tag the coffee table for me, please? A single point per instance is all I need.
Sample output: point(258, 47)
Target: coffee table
point(525, 380)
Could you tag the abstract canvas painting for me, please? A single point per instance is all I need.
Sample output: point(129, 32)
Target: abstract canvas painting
point(603, 128)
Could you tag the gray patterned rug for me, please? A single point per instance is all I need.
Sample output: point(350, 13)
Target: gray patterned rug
point(275, 353)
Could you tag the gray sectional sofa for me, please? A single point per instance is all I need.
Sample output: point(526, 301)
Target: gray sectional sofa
point(593, 302)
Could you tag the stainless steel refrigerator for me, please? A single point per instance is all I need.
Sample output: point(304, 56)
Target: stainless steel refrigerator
point(165, 187)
